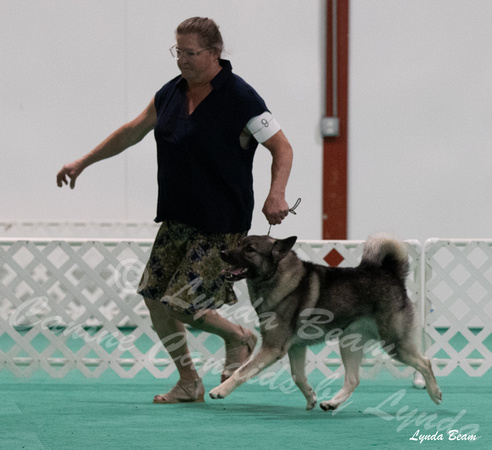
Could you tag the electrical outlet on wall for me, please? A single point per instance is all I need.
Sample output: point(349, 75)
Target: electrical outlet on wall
point(330, 126)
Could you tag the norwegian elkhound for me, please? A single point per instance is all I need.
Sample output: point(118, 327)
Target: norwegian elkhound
point(311, 302)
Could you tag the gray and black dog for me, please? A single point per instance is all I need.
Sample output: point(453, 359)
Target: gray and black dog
point(310, 302)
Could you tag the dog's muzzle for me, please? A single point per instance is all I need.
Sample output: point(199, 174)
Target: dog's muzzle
point(235, 273)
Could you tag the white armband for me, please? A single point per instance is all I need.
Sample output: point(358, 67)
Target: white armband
point(263, 127)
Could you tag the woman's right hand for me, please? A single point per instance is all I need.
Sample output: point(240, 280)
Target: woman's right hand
point(72, 171)
point(124, 137)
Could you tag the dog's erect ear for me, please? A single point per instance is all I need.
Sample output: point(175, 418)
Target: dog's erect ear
point(283, 246)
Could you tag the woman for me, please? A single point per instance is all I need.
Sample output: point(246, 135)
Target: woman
point(207, 124)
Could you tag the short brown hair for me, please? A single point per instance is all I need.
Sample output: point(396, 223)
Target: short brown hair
point(207, 30)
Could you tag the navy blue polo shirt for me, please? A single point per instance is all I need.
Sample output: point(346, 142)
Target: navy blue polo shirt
point(204, 175)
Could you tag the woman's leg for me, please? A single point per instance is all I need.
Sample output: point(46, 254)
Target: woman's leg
point(172, 334)
point(168, 325)
point(184, 270)
point(239, 342)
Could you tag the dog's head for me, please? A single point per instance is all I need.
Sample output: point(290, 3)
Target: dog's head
point(256, 258)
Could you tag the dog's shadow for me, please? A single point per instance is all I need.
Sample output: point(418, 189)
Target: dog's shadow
point(283, 412)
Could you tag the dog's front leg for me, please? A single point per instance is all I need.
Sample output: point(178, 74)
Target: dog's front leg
point(264, 358)
point(297, 357)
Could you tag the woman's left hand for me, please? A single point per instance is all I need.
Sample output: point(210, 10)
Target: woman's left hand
point(275, 209)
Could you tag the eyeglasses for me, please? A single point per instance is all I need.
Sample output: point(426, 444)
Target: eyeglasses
point(176, 53)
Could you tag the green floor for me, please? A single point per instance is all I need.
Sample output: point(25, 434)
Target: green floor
point(109, 412)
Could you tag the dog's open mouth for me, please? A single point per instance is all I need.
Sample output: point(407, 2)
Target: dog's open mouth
point(235, 273)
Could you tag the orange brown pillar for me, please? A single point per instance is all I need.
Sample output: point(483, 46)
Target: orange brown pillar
point(335, 124)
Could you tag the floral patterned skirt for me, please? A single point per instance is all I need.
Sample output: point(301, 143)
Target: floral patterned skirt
point(184, 270)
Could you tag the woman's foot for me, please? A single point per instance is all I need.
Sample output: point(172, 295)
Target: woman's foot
point(237, 352)
point(185, 391)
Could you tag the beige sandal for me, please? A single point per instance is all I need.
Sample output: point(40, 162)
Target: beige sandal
point(183, 392)
point(235, 357)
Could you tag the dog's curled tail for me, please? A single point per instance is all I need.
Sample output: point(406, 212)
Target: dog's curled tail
point(384, 251)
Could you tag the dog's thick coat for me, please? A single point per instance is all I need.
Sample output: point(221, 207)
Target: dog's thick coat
point(307, 301)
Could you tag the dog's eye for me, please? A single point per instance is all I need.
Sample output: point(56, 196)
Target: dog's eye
point(249, 248)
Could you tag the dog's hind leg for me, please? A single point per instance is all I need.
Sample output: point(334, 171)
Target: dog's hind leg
point(351, 359)
point(398, 333)
point(407, 353)
point(297, 358)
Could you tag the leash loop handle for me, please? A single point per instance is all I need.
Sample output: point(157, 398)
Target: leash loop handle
point(291, 210)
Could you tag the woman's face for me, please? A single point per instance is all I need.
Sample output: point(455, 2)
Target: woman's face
point(197, 64)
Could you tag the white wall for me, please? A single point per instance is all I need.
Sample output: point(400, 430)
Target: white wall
point(73, 71)
point(420, 118)
point(420, 102)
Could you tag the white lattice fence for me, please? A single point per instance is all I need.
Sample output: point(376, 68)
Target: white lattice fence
point(458, 290)
point(64, 305)
point(72, 305)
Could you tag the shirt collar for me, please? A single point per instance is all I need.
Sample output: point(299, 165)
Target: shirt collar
point(219, 79)
point(222, 76)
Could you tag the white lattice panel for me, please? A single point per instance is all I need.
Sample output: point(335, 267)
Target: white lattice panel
point(458, 293)
point(52, 291)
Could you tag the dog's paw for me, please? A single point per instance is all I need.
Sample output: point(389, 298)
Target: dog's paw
point(437, 397)
point(328, 406)
point(310, 405)
point(217, 393)
point(311, 402)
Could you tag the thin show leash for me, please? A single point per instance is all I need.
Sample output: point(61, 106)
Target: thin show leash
point(291, 210)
